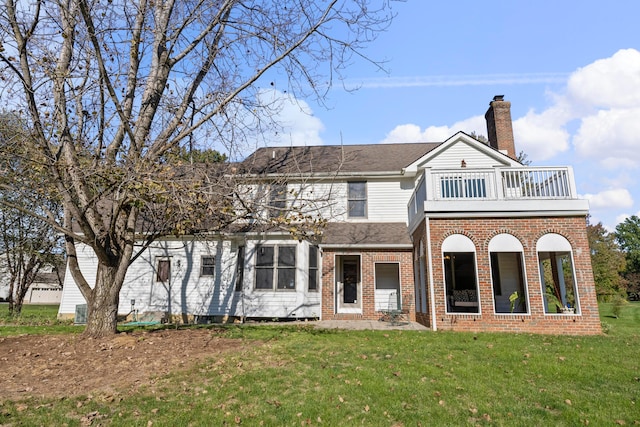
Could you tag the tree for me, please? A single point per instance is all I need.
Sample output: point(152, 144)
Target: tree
point(109, 87)
point(607, 261)
point(628, 236)
point(27, 244)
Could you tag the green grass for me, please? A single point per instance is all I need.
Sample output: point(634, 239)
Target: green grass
point(302, 376)
point(34, 319)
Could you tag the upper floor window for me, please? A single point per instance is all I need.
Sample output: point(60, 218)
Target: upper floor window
point(277, 200)
point(357, 199)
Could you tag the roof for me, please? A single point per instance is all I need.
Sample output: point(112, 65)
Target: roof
point(335, 158)
point(366, 234)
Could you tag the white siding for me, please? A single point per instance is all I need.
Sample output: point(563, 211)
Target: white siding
point(452, 158)
point(387, 199)
point(279, 303)
point(187, 292)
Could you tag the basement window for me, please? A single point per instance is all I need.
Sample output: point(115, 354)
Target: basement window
point(461, 279)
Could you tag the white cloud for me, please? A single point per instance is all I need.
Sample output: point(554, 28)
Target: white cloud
point(608, 83)
point(542, 135)
point(610, 199)
point(413, 133)
point(298, 125)
point(611, 136)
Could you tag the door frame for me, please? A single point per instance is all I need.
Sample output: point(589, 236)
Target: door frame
point(340, 262)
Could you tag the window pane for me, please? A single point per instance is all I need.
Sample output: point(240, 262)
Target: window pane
point(357, 190)
point(286, 278)
point(163, 271)
point(313, 257)
point(264, 278)
point(264, 256)
point(357, 208)
point(287, 256)
point(313, 268)
point(240, 269)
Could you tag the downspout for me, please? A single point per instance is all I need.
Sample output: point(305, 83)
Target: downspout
point(430, 264)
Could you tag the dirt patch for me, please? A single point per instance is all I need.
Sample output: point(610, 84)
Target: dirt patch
point(65, 365)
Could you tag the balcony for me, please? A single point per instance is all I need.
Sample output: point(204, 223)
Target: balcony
point(497, 191)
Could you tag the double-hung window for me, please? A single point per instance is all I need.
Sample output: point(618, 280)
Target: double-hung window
point(277, 200)
point(207, 267)
point(357, 199)
point(276, 267)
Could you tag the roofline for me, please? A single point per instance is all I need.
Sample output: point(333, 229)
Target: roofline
point(366, 246)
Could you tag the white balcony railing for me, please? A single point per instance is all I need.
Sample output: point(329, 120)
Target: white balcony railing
point(501, 184)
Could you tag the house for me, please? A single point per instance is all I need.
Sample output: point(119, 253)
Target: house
point(457, 233)
point(45, 289)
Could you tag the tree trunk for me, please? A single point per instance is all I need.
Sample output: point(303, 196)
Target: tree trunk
point(102, 306)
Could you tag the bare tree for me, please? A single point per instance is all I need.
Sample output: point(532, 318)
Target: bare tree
point(108, 87)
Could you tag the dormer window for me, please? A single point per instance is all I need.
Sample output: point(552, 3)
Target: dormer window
point(357, 199)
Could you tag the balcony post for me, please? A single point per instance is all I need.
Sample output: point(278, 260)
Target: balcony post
point(428, 185)
point(499, 184)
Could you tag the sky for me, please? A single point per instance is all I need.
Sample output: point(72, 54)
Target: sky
point(571, 70)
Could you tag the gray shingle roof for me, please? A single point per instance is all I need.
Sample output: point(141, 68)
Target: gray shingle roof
point(366, 233)
point(333, 158)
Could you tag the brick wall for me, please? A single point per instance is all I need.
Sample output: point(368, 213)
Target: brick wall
point(528, 231)
point(367, 281)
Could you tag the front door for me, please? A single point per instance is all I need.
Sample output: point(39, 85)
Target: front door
point(348, 286)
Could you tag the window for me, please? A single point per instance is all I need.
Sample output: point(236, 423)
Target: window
point(277, 200)
point(458, 187)
point(207, 266)
point(163, 270)
point(313, 268)
point(357, 199)
point(240, 269)
point(507, 274)
point(276, 265)
point(557, 275)
point(461, 284)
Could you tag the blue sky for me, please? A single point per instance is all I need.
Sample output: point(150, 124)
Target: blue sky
point(571, 70)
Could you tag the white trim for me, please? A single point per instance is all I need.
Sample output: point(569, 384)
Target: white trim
point(458, 243)
point(553, 242)
point(505, 242)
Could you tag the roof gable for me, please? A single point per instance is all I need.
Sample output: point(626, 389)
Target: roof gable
point(459, 147)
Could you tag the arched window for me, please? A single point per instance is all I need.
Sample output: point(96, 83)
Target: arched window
point(557, 275)
point(461, 280)
point(507, 274)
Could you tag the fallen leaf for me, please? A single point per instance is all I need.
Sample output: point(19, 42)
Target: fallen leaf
point(366, 408)
point(568, 402)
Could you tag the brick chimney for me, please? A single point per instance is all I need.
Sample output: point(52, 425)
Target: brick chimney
point(499, 128)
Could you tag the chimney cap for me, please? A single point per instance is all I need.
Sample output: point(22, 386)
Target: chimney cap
point(498, 98)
